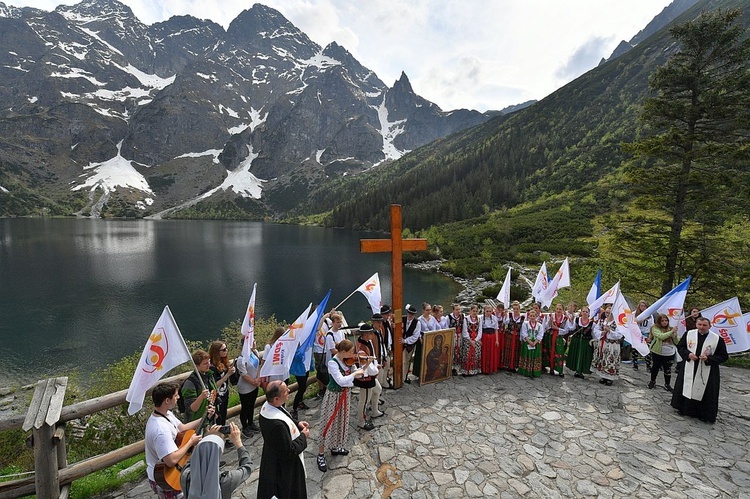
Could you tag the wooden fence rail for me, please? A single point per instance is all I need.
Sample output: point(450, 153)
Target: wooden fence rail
point(47, 417)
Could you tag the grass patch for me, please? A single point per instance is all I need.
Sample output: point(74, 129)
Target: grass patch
point(106, 480)
point(742, 360)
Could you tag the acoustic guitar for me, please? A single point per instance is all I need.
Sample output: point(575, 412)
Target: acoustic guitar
point(168, 477)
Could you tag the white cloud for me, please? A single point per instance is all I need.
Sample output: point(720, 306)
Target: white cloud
point(457, 53)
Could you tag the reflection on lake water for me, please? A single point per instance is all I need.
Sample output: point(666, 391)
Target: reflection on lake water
point(83, 293)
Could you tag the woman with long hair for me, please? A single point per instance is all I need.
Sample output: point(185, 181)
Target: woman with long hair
point(662, 343)
point(645, 327)
point(490, 341)
point(471, 344)
point(553, 356)
point(456, 321)
point(581, 353)
point(334, 421)
point(221, 369)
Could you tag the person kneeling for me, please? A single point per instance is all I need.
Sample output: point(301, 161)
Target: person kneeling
point(201, 477)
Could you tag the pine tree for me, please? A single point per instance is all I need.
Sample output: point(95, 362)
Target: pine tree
point(691, 163)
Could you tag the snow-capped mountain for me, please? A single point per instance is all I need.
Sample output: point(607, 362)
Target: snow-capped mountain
point(182, 114)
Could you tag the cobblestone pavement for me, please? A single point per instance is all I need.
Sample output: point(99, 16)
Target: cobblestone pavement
point(508, 436)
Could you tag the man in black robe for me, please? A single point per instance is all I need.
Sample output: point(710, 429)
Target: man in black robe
point(282, 466)
point(696, 392)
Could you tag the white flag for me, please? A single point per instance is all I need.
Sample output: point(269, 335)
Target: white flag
point(596, 288)
point(248, 326)
point(165, 350)
point(671, 305)
point(541, 282)
point(726, 321)
point(608, 297)
point(627, 326)
point(282, 352)
point(371, 289)
point(504, 294)
point(561, 280)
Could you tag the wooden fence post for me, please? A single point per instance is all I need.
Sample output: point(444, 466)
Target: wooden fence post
point(42, 418)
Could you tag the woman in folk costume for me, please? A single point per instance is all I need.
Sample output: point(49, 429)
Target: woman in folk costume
point(438, 320)
point(581, 353)
point(512, 343)
point(425, 323)
point(334, 421)
point(502, 325)
point(490, 341)
point(456, 321)
point(532, 333)
point(696, 392)
point(608, 351)
point(558, 325)
point(471, 344)
point(661, 342)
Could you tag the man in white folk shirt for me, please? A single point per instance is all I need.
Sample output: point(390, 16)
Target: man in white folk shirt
point(369, 386)
point(162, 428)
point(412, 334)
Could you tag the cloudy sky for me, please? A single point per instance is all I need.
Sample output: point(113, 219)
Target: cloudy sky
point(477, 54)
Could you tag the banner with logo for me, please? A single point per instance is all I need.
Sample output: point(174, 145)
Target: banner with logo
point(727, 321)
point(609, 296)
point(670, 305)
point(248, 326)
point(540, 285)
point(561, 280)
point(282, 352)
point(627, 325)
point(371, 289)
point(165, 350)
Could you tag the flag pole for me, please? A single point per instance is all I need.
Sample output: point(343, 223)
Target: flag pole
point(342, 302)
point(195, 368)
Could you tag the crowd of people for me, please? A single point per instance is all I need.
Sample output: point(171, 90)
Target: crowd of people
point(529, 342)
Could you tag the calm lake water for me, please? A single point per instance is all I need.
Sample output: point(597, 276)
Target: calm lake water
point(84, 293)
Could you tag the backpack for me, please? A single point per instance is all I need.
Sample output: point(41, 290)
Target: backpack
point(235, 378)
point(181, 401)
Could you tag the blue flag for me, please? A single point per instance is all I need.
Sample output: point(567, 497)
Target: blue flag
point(304, 350)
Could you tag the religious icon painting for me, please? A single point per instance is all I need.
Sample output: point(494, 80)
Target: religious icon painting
point(437, 356)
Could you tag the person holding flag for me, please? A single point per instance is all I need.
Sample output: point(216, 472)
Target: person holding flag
point(645, 327)
point(608, 351)
point(661, 342)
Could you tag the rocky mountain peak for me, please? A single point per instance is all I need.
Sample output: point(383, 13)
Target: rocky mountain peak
point(9, 11)
point(403, 84)
point(95, 9)
point(266, 29)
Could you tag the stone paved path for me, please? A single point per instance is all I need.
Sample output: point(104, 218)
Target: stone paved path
point(509, 436)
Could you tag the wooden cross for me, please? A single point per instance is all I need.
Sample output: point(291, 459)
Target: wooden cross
point(395, 245)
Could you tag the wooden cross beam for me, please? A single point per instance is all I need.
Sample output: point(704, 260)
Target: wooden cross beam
point(396, 246)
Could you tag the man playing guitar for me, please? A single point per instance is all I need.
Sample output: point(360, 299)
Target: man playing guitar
point(161, 431)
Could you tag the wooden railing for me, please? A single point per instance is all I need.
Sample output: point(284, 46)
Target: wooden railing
point(46, 418)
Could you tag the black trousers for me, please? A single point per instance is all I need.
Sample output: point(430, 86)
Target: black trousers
point(662, 362)
point(247, 401)
point(301, 389)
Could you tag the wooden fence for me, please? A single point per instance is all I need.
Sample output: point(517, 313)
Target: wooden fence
point(47, 417)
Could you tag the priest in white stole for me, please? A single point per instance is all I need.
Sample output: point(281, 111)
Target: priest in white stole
point(282, 464)
point(696, 392)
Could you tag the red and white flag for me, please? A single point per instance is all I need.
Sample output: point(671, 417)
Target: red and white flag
point(371, 289)
point(248, 326)
point(281, 354)
point(165, 350)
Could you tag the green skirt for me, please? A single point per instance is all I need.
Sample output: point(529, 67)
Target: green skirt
point(580, 355)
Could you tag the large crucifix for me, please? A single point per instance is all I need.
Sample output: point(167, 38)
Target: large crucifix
point(395, 245)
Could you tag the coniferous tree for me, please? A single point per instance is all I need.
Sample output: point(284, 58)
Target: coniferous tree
point(691, 165)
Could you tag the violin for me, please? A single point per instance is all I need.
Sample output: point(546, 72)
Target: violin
point(359, 359)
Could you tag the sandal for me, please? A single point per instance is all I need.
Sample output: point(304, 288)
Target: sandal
point(322, 466)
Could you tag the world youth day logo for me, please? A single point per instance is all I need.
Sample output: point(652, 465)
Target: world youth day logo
point(158, 348)
point(726, 318)
point(370, 286)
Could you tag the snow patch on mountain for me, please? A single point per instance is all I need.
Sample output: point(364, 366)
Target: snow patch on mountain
point(389, 130)
point(147, 80)
point(211, 152)
point(113, 173)
point(95, 36)
point(241, 181)
point(77, 73)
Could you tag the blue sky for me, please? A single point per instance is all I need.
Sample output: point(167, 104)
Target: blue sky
point(477, 54)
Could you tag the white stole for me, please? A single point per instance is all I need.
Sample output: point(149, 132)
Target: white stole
point(270, 412)
point(694, 386)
